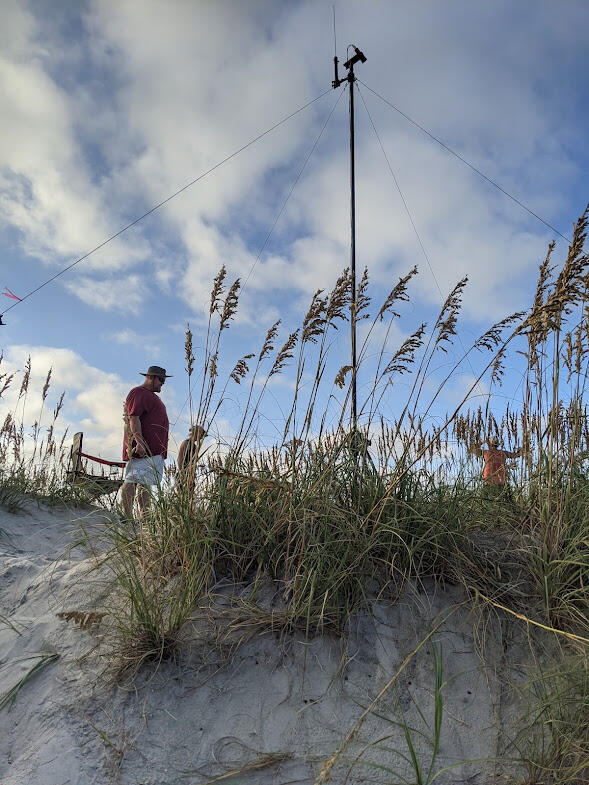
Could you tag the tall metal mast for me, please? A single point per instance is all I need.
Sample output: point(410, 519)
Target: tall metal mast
point(350, 78)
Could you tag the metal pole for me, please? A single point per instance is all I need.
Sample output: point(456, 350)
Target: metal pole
point(354, 413)
point(358, 57)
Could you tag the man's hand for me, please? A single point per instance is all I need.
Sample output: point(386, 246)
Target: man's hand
point(138, 450)
point(138, 445)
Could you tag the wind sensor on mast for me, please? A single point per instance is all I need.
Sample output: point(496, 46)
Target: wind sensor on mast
point(358, 57)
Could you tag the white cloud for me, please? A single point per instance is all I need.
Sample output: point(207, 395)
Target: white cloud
point(133, 338)
point(125, 293)
point(47, 188)
point(157, 93)
point(93, 399)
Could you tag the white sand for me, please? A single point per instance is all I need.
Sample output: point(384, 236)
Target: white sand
point(219, 709)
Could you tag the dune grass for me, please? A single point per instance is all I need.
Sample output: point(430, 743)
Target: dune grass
point(42, 661)
point(330, 513)
point(33, 461)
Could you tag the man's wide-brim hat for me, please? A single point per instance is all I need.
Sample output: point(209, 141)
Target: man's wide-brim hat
point(155, 370)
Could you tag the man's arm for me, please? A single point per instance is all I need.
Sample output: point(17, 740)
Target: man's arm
point(514, 454)
point(139, 449)
point(475, 450)
point(181, 452)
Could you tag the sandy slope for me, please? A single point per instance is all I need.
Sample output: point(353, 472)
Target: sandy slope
point(220, 708)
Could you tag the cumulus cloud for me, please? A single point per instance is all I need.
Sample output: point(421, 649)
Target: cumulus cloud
point(129, 337)
point(123, 293)
point(48, 191)
point(93, 399)
point(153, 94)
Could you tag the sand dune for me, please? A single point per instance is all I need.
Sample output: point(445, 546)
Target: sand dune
point(271, 709)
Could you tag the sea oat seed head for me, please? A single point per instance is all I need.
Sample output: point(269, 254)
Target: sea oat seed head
point(217, 290)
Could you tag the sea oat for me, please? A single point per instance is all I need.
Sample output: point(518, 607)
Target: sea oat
point(340, 379)
point(5, 380)
point(62, 440)
point(285, 353)
point(217, 290)
point(188, 354)
point(492, 338)
point(46, 385)
point(314, 321)
point(398, 293)
point(58, 407)
point(337, 304)
point(7, 426)
point(568, 290)
point(85, 619)
point(362, 299)
point(268, 345)
point(25, 381)
point(405, 355)
point(446, 322)
point(230, 306)
point(241, 369)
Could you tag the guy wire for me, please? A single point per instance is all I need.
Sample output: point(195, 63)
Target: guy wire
point(414, 227)
point(464, 161)
point(282, 208)
point(293, 186)
point(166, 200)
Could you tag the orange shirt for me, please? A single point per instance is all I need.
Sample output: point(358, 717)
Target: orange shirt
point(494, 471)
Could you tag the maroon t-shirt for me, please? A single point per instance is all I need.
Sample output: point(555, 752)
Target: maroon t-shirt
point(146, 405)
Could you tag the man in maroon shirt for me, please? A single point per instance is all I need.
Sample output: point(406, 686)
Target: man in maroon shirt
point(145, 441)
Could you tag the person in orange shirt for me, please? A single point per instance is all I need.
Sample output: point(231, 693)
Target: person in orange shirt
point(494, 471)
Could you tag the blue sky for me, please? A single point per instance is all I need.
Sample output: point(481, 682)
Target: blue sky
point(109, 107)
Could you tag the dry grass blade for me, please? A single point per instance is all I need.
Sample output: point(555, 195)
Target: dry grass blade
point(263, 762)
point(248, 478)
point(84, 619)
point(324, 775)
point(44, 660)
point(569, 635)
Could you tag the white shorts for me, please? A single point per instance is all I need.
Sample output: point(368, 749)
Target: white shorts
point(145, 471)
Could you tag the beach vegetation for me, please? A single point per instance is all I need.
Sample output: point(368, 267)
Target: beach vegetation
point(333, 513)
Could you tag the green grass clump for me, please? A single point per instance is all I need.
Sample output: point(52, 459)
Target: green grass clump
point(553, 742)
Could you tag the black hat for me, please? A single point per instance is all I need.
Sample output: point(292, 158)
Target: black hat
point(155, 370)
